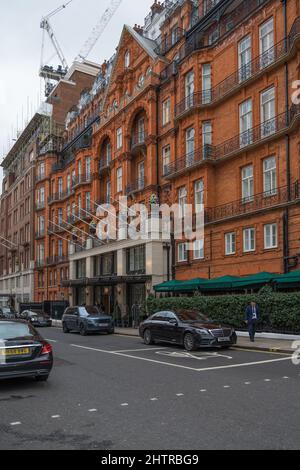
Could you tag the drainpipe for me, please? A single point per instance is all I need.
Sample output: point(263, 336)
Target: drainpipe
point(286, 247)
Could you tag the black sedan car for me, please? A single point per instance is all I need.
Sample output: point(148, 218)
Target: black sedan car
point(37, 319)
point(23, 352)
point(191, 329)
point(87, 320)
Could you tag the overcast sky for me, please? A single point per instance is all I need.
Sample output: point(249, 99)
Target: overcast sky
point(21, 41)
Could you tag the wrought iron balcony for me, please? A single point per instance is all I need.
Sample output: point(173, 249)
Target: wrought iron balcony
point(259, 202)
point(40, 177)
point(39, 264)
point(82, 179)
point(40, 205)
point(167, 42)
point(241, 142)
point(104, 165)
point(189, 161)
point(55, 260)
point(233, 81)
point(136, 186)
point(138, 139)
point(39, 234)
point(60, 196)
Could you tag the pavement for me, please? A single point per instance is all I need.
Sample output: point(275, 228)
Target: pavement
point(114, 393)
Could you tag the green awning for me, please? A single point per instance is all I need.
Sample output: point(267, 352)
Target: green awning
point(256, 280)
point(180, 286)
point(220, 283)
point(291, 279)
point(170, 286)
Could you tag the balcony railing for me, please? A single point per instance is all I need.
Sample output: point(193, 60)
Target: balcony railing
point(137, 139)
point(40, 177)
point(238, 78)
point(55, 260)
point(135, 186)
point(60, 196)
point(40, 264)
point(82, 179)
point(266, 200)
point(267, 130)
point(104, 164)
point(40, 205)
point(167, 42)
point(39, 234)
point(189, 161)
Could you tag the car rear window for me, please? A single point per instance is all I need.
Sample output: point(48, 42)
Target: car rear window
point(15, 330)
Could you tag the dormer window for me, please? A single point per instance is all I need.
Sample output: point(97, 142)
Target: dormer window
point(127, 59)
point(141, 81)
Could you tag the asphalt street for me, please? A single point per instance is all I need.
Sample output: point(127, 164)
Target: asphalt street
point(115, 393)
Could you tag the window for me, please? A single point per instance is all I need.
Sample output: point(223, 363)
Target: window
point(189, 89)
point(266, 41)
point(270, 176)
point(166, 152)
point(230, 243)
point(166, 111)
point(270, 236)
point(141, 81)
point(247, 184)
point(119, 138)
point(245, 57)
point(246, 136)
point(190, 146)
point(108, 192)
point(198, 249)
point(206, 83)
point(60, 216)
point(249, 240)
point(199, 193)
point(182, 199)
point(141, 175)
point(88, 202)
point(60, 248)
point(182, 253)
point(136, 260)
point(127, 60)
point(267, 113)
point(206, 138)
point(69, 183)
point(141, 130)
point(119, 180)
point(88, 162)
point(60, 186)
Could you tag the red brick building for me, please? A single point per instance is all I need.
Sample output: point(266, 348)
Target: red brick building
point(194, 107)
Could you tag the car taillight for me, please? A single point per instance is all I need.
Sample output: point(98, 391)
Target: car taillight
point(47, 349)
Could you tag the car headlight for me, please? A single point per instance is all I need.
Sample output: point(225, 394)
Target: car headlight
point(203, 332)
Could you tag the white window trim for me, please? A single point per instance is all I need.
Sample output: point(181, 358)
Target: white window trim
point(249, 230)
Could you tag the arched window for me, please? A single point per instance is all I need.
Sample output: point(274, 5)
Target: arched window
point(127, 59)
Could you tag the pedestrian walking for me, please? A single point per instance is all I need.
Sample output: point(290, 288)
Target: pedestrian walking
point(252, 317)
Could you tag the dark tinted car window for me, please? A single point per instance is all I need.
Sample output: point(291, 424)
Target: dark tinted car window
point(171, 316)
point(15, 330)
point(161, 316)
point(89, 311)
point(192, 316)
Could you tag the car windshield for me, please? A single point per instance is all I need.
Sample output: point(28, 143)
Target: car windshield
point(90, 311)
point(7, 311)
point(9, 331)
point(192, 316)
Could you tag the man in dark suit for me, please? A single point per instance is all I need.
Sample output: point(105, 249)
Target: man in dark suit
point(252, 317)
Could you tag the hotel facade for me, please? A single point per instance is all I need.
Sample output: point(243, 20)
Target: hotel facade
point(194, 107)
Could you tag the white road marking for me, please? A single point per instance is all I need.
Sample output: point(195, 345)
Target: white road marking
point(267, 380)
point(231, 366)
point(55, 416)
point(124, 404)
point(187, 355)
point(180, 395)
point(285, 378)
point(226, 386)
point(93, 410)
point(17, 423)
point(203, 390)
point(137, 350)
point(153, 399)
point(247, 383)
point(51, 340)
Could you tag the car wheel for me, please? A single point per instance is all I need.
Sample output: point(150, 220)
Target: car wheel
point(65, 329)
point(82, 330)
point(189, 342)
point(42, 378)
point(148, 337)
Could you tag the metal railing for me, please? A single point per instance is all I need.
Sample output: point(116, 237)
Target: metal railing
point(266, 200)
point(82, 179)
point(59, 259)
point(135, 186)
point(138, 138)
point(40, 205)
point(189, 160)
point(60, 196)
point(165, 43)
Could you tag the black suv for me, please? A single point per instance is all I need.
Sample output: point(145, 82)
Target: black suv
point(87, 320)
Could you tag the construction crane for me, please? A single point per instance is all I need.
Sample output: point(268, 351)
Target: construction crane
point(98, 30)
point(49, 73)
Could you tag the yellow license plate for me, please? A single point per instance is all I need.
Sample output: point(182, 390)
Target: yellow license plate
point(14, 352)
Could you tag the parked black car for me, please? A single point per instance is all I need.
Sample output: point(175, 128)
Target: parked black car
point(23, 352)
point(37, 319)
point(87, 320)
point(191, 329)
point(7, 312)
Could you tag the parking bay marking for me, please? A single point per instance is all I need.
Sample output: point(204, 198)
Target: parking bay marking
point(231, 366)
point(187, 355)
